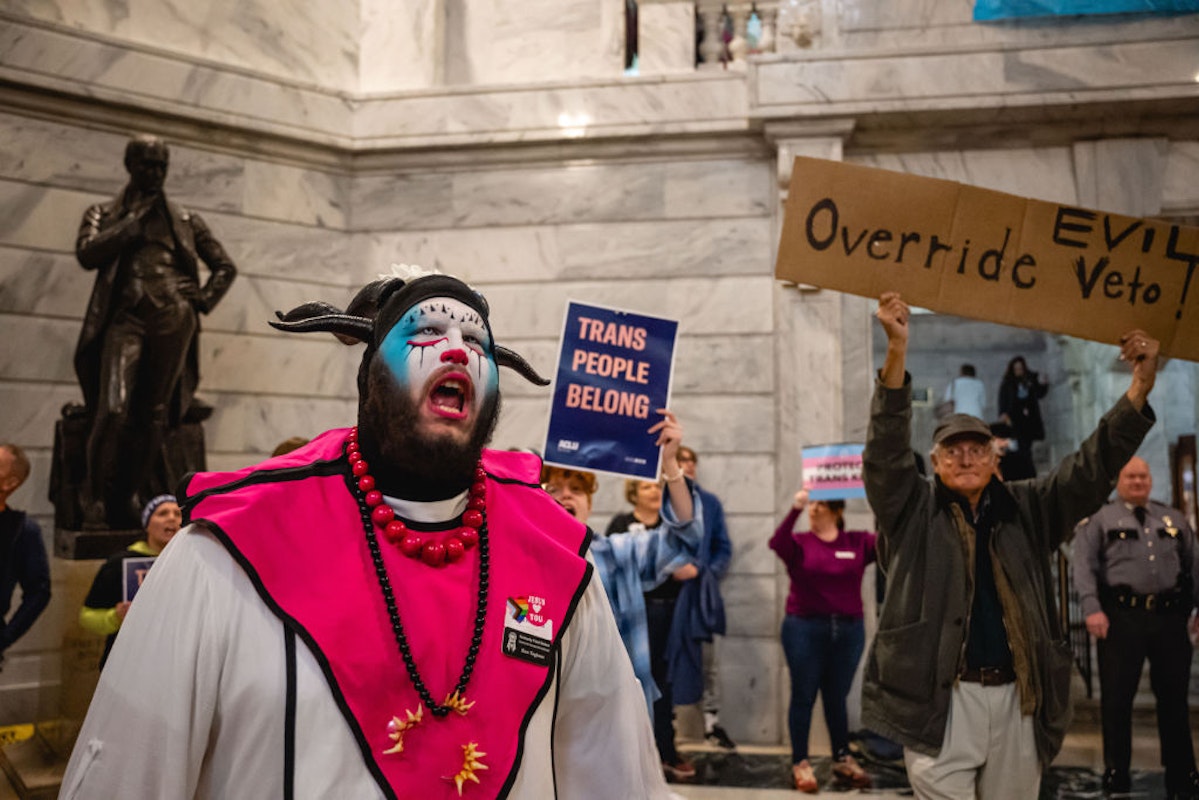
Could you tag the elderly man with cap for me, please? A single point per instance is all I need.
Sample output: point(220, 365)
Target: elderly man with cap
point(388, 611)
point(1136, 575)
point(968, 670)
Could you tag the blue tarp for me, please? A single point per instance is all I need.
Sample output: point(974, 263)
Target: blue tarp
point(987, 10)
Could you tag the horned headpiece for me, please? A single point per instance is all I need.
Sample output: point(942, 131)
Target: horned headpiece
point(381, 303)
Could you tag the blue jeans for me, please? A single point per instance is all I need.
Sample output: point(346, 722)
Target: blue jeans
point(822, 655)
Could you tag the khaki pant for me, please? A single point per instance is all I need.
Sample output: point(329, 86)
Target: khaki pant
point(989, 751)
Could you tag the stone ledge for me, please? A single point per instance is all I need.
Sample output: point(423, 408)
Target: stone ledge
point(59, 72)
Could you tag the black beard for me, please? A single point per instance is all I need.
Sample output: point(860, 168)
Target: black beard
point(405, 462)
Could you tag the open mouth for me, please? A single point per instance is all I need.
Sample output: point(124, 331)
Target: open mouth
point(450, 395)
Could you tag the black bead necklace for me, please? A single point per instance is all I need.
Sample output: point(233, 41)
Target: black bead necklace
point(454, 698)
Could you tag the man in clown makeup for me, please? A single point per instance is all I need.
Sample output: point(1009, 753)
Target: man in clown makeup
point(389, 611)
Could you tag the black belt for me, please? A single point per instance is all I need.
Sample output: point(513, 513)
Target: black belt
point(1160, 602)
point(988, 676)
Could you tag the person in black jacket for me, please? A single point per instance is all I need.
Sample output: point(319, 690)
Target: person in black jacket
point(1020, 393)
point(23, 560)
point(969, 669)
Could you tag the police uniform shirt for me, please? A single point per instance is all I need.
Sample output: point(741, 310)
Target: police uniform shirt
point(1114, 548)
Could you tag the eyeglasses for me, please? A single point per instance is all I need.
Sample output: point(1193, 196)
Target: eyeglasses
point(976, 452)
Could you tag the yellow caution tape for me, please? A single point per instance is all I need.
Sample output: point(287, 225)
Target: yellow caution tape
point(10, 734)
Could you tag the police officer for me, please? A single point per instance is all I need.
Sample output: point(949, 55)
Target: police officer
point(1135, 573)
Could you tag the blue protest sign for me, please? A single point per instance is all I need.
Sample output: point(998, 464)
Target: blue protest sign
point(135, 570)
point(833, 471)
point(614, 372)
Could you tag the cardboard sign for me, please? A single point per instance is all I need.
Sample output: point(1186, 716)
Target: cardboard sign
point(991, 256)
point(135, 570)
point(833, 471)
point(614, 372)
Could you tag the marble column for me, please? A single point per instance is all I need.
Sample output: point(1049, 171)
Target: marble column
point(822, 357)
point(739, 46)
point(710, 47)
point(402, 45)
point(666, 36)
point(817, 358)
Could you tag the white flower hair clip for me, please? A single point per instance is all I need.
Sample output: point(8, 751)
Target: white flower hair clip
point(409, 272)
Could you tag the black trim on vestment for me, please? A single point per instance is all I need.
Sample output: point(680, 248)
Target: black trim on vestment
point(289, 716)
point(549, 678)
point(325, 468)
point(294, 624)
point(554, 721)
point(513, 481)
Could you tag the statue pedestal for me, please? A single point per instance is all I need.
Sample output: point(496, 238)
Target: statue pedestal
point(34, 768)
point(182, 453)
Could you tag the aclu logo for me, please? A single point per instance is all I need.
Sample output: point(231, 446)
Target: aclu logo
point(568, 445)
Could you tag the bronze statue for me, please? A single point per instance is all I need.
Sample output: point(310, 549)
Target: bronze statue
point(137, 357)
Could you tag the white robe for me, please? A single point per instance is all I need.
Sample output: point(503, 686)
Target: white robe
point(191, 703)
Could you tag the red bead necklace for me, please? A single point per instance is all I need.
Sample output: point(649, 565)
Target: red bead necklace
point(414, 544)
point(373, 517)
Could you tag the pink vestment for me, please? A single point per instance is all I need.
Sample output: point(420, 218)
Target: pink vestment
point(295, 527)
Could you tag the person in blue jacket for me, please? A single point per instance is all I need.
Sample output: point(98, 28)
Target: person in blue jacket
point(717, 548)
point(633, 562)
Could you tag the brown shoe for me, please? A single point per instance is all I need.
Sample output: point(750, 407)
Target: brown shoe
point(680, 771)
point(848, 772)
point(805, 778)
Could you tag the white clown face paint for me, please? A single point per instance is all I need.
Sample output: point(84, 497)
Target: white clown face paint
point(439, 352)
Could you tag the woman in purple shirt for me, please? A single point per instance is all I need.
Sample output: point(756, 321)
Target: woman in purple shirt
point(823, 634)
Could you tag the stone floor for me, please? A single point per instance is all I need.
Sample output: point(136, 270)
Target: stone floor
point(763, 773)
point(725, 776)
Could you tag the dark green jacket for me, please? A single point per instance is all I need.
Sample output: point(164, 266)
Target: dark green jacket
point(925, 546)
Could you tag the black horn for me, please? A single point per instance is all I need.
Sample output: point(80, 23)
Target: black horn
point(514, 361)
point(318, 317)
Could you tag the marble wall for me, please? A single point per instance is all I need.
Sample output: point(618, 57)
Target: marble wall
point(401, 45)
point(502, 145)
point(290, 40)
point(494, 42)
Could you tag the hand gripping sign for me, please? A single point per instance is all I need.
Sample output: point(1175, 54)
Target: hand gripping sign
point(614, 373)
point(134, 572)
